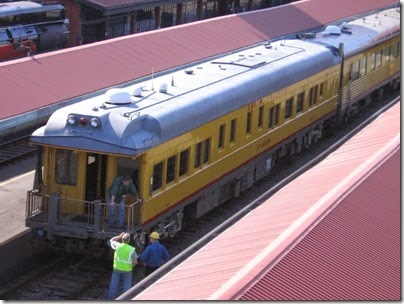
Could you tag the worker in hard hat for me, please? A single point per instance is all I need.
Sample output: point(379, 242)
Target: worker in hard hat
point(155, 254)
point(125, 257)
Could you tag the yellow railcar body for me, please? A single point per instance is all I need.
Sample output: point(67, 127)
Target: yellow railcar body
point(246, 146)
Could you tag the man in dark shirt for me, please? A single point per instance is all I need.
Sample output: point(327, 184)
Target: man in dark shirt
point(116, 196)
point(155, 254)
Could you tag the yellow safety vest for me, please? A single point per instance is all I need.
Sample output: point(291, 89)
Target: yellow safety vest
point(123, 258)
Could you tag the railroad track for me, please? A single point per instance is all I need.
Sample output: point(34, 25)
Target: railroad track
point(63, 278)
point(15, 149)
point(88, 279)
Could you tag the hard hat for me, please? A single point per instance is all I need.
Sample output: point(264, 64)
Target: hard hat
point(155, 235)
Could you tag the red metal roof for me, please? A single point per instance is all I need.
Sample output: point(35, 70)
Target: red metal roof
point(352, 254)
point(332, 233)
point(35, 82)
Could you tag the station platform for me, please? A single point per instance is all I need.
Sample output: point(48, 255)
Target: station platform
point(15, 181)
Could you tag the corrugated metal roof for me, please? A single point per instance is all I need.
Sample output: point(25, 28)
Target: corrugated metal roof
point(363, 249)
point(353, 254)
point(36, 82)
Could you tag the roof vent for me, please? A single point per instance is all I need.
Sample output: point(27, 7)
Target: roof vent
point(118, 97)
point(189, 71)
point(332, 30)
point(138, 92)
point(163, 88)
point(345, 25)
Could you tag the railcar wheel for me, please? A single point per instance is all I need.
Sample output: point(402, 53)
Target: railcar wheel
point(275, 158)
point(171, 232)
point(293, 148)
point(307, 140)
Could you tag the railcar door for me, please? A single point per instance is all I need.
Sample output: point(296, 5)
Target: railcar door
point(131, 167)
point(128, 166)
point(95, 176)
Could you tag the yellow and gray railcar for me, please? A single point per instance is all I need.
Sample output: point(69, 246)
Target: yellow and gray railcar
point(193, 137)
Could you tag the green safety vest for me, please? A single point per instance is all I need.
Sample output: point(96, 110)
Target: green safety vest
point(123, 258)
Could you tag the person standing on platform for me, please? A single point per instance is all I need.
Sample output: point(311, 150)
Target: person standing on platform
point(117, 192)
point(125, 258)
point(155, 254)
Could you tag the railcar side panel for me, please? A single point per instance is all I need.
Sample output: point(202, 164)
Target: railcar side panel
point(247, 146)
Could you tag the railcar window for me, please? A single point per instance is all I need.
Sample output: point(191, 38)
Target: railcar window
point(206, 150)
point(397, 49)
point(387, 54)
point(273, 116)
point(373, 61)
point(66, 167)
point(379, 56)
point(299, 102)
point(315, 99)
point(33, 18)
point(311, 93)
point(260, 117)
point(54, 15)
point(313, 96)
point(157, 180)
point(202, 152)
point(221, 136)
point(288, 108)
point(233, 128)
point(248, 126)
point(356, 69)
point(184, 159)
point(321, 91)
point(171, 168)
point(198, 153)
point(364, 66)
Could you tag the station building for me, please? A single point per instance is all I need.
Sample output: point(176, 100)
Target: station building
point(97, 20)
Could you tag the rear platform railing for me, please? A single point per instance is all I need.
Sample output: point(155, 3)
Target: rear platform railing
point(78, 214)
point(37, 206)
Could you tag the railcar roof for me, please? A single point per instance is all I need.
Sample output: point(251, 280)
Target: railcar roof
point(177, 101)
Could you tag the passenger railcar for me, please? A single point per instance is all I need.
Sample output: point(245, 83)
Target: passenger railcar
point(195, 136)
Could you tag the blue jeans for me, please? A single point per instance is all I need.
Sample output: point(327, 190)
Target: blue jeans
point(121, 211)
point(126, 277)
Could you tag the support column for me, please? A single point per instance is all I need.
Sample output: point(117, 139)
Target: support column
point(199, 10)
point(157, 16)
point(250, 5)
point(133, 27)
point(179, 14)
